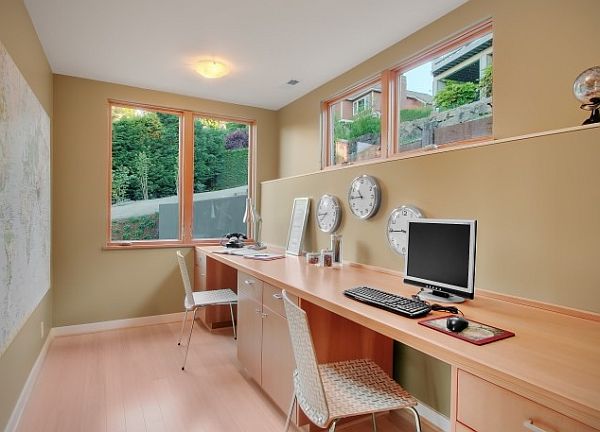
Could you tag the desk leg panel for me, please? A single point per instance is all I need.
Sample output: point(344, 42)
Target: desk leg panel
point(337, 338)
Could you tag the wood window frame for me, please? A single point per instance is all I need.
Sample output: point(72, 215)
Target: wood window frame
point(185, 175)
point(390, 118)
point(327, 121)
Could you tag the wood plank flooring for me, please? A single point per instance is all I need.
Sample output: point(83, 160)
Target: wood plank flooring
point(131, 380)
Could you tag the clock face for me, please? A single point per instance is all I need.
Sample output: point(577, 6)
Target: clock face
point(329, 213)
point(364, 196)
point(397, 227)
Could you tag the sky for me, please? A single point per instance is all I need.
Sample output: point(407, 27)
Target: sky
point(420, 79)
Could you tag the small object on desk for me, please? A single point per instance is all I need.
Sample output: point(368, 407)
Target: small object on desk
point(391, 302)
point(326, 258)
point(313, 257)
point(456, 324)
point(477, 333)
point(264, 256)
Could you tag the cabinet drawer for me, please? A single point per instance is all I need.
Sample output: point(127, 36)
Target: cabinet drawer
point(485, 407)
point(273, 300)
point(253, 287)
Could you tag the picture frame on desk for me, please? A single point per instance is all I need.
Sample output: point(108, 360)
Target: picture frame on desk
point(298, 221)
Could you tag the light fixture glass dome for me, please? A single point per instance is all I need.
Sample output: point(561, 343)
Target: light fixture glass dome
point(212, 69)
point(586, 88)
point(587, 85)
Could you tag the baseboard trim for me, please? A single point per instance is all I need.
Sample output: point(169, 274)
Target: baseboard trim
point(116, 324)
point(17, 412)
point(433, 417)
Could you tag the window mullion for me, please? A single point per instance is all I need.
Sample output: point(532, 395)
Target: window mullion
point(186, 162)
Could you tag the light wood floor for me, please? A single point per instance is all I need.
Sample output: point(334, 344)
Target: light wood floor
point(131, 380)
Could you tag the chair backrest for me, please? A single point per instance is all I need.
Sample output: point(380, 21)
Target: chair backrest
point(307, 382)
point(189, 297)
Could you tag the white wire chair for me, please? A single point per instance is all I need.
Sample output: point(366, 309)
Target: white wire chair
point(195, 300)
point(329, 392)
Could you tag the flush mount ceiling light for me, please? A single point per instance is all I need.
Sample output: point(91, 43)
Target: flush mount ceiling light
point(212, 69)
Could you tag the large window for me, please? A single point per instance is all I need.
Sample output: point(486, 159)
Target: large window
point(176, 176)
point(439, 98)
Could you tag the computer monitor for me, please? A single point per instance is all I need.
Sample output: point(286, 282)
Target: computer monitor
point(441, 258)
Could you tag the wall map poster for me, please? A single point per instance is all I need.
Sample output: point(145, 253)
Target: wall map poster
point(24, 200)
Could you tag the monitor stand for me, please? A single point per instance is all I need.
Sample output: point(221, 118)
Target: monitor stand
point(439, 296)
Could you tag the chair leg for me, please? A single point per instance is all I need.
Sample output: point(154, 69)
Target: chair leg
point(374, 422)
point(182, 326)
point(232, 321)
point(289, 416)
point(417, 419)
point(187, 348)
point(332, 427)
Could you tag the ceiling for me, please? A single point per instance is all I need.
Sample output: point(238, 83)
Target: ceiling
point(154, 44)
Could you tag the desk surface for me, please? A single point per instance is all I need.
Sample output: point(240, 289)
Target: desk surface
point(554, 358)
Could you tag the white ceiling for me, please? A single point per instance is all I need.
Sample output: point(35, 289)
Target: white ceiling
point(153, 44)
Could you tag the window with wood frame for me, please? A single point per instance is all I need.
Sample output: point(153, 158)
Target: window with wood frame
point(445, 96)
point(177, 177)
point(353, 124)
point(440, 97)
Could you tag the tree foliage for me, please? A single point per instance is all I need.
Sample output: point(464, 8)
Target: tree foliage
point(145, 154)
point(456, 94)
point(237, 139)
point(364, 122)
point(485, 84)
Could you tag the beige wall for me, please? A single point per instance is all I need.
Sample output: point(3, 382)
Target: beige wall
point(20, 39)
point(537, 201)
point(96, 285)
point(535, 64)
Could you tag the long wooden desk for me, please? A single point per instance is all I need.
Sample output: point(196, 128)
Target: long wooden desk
point(553, 362)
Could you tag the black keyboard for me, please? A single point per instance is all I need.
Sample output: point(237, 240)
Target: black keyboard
point(390, 302)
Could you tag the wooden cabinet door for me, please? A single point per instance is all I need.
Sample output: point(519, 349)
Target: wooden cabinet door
point(277, 359)
point(249, 332)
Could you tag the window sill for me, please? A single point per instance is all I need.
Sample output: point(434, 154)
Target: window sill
point(157, 244)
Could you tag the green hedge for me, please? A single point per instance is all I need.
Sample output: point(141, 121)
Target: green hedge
point(235, 169)
point(136, 228)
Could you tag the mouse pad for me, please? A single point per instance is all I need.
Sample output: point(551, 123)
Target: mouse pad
point(477, 333)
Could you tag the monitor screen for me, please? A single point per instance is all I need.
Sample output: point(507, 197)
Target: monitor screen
point(441, 255)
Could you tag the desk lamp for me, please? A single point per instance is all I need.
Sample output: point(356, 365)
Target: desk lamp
point(252, 215)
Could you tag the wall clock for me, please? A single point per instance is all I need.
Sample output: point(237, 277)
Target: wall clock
point(397, 227)
point(329, 213)
point(364, 196)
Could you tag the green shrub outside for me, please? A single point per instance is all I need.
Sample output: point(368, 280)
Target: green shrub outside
point(235, 169)
point(135, 228)
point(415, 113)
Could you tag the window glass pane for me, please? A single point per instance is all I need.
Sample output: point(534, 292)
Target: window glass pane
point(447, 99)
point(356, 125)
point(145, 171)
point(220, 177)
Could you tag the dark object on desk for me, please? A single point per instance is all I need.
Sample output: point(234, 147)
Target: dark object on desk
point(391, 302)
point(452, 309)
point(233, 240)
point(476, 333)
point(456, 324)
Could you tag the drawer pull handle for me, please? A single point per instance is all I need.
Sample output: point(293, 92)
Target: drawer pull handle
point(528, 424)
point(263, 315)
point(278, 296)
point(249, 282)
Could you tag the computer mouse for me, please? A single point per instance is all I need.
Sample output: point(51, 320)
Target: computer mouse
point(456, 324)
